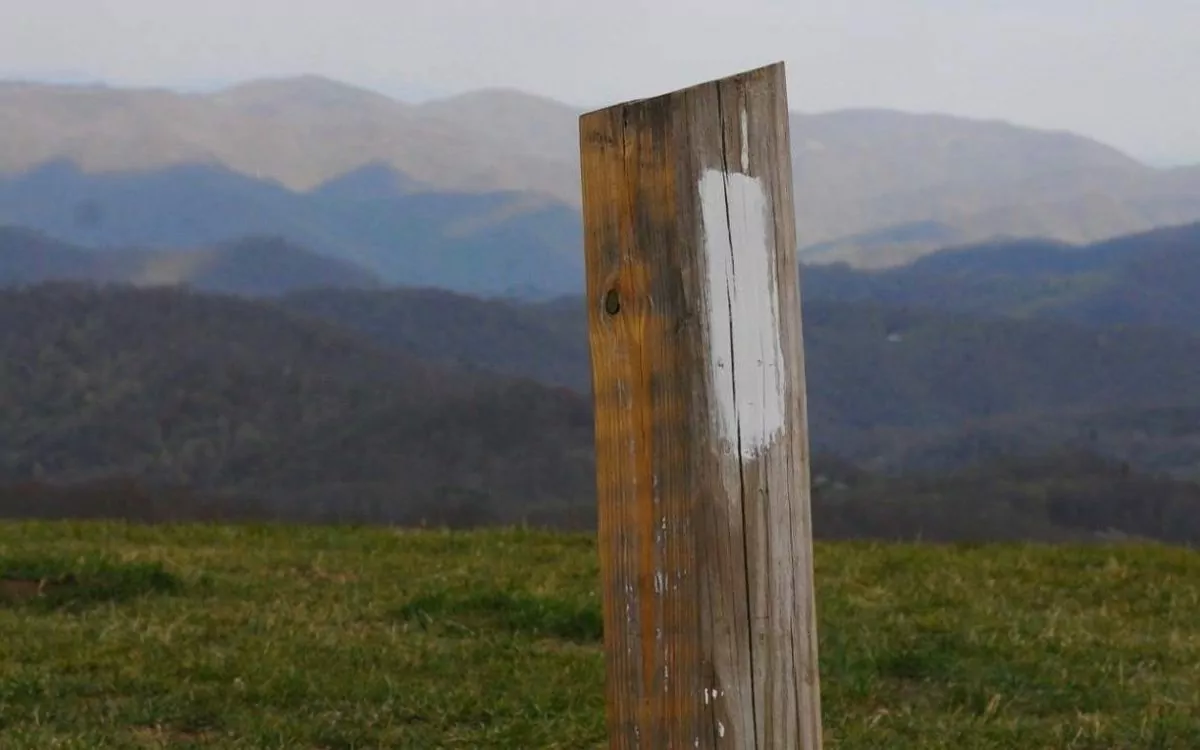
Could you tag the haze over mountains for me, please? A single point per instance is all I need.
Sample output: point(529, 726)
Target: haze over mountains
point(377, 305)
point(228, 395)
point(479, 192)
point(403, 405)
point(1146, 279)
point(965, 355)
point(252, 265)
point(476, 242)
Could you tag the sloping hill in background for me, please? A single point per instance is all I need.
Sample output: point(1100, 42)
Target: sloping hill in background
point(213, 406)
point(1185, 177)
point(899, 377)
point(862, 176)
point(545, 342)
point(1148, 279)
point(1162, 440)
point(870, 170)
point(890, 387)
point(254, 266)
point(300, 132)
point(406, 402)
point(224, 394)
point(512, 121)
point(485, 243)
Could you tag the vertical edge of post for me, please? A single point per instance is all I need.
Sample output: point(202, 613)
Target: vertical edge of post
point(701, 427)
point(771, 405)
point(605, 237)
point(787, 272)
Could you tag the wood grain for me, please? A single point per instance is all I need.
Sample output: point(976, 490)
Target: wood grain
point(701, 425)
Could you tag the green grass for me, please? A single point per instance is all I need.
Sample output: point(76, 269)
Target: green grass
point(255, 637)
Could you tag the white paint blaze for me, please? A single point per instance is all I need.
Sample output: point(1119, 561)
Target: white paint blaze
point(746, 363)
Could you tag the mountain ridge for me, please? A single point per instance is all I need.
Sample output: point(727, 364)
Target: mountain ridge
point(857, 171)
point(486, 243)
point(403, 404)
point(250, 266)
point(890, 386)
point(221, 393)
point(1149, 278)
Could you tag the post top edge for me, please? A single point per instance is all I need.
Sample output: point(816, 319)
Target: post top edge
point(776, 68)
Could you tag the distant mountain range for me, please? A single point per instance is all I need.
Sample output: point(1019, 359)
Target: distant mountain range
point(966, 354)
point(891, 387)
point(410, 404)
point(295, 292)
point(163, 404)
point(1147, 279)
point(484, 243)
point(335, 389)
point(231, 395)
point(254, 266)
point(476, 191)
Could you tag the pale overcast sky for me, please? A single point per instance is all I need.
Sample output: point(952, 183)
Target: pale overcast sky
point(1124, 71)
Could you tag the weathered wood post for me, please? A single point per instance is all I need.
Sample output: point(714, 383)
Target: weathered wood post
point(701, 430)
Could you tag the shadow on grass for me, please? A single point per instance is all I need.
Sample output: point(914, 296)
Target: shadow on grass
point(56, 584)
point(514, 612)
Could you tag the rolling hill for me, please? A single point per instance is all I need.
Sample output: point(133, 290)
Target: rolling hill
point(384, 406)
point(1147, 279)
point(965, 355)
point(300, 132)
point(227, 395)
point(253, 266)
point(484, 243)
point(891, 387)
point(546, 342)
point(876, 172)
point(862, 176)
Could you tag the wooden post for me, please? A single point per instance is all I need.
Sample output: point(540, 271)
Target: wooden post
point(701, 431)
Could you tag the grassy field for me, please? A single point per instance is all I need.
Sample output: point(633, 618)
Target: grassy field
point(326, 638)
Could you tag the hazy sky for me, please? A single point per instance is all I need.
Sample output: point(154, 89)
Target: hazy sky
point(1124, 71)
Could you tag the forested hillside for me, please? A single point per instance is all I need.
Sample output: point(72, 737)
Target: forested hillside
point(966, 355)
point(388, 406)
point(890, 387)
point(332, 396)
point(217, 393)
point(254, 266)
point(1143, 279)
